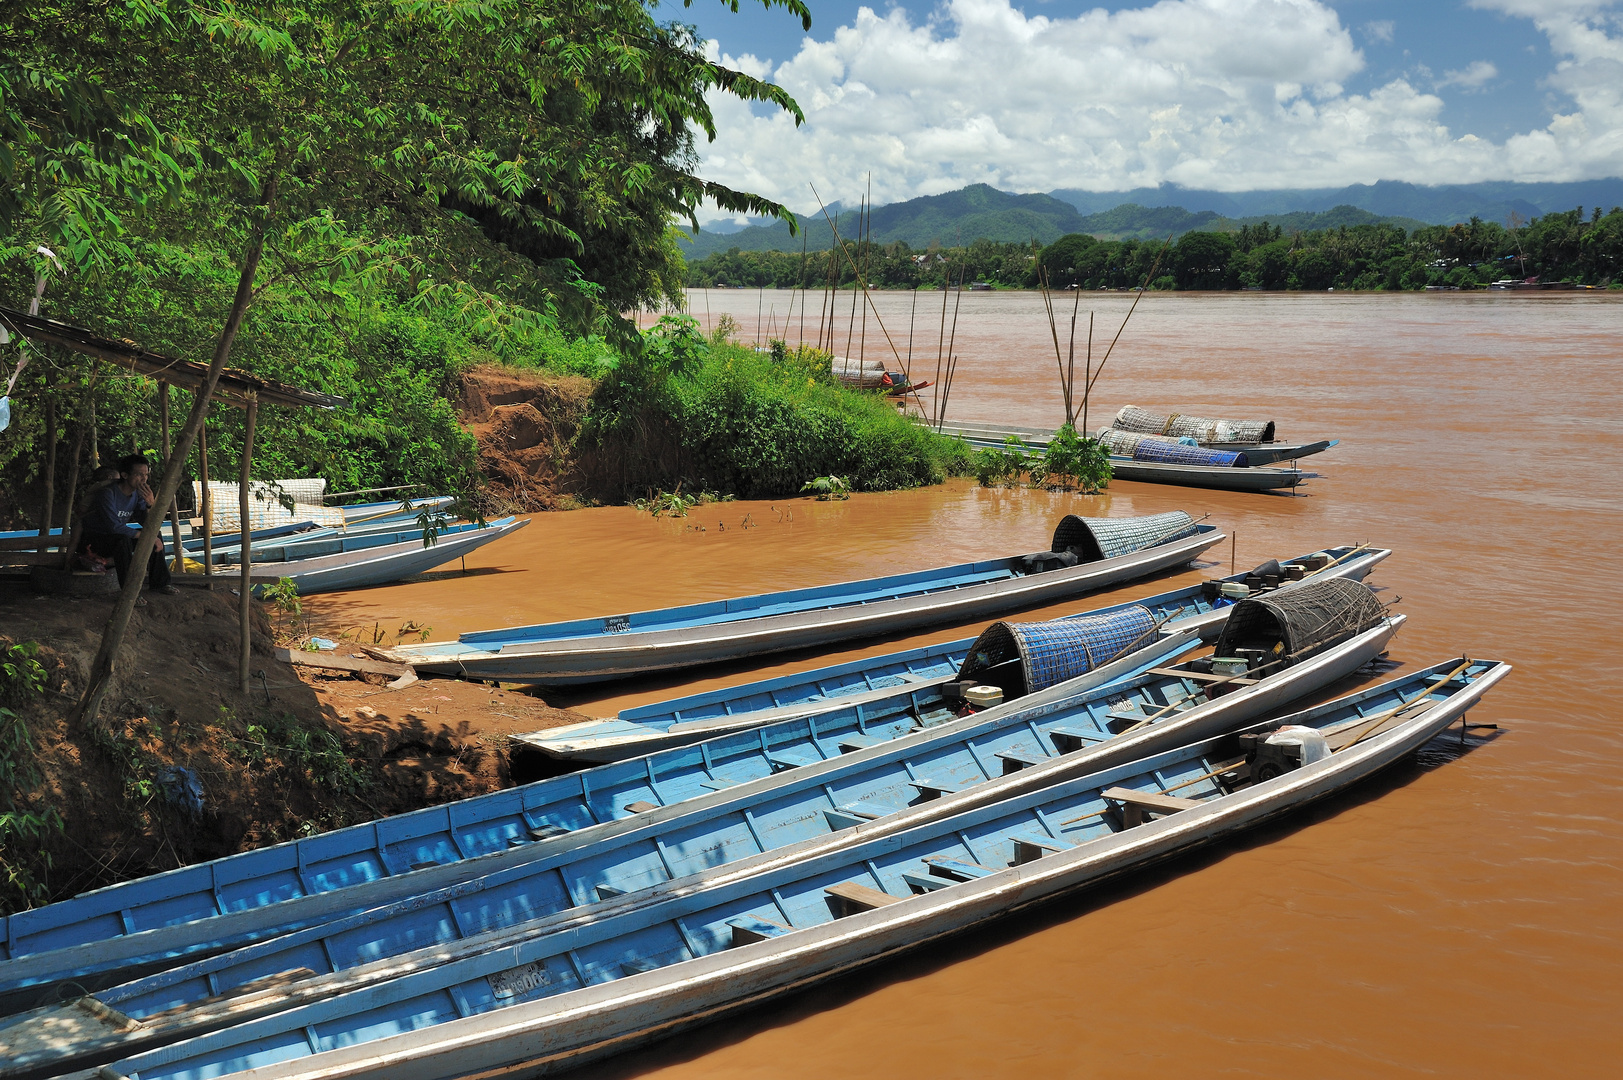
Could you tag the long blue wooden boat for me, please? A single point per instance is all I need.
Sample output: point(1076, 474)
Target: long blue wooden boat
point(368, 565)
point(564, 990)
point(1085, 555)
point(1215, 477)
point(748, 807)
point(262, 893)
point(920, 674)
point(992, 436)
point(297, 548)
point(421, 850)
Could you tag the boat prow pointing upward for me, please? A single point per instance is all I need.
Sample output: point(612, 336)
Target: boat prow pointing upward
point(1085, 555)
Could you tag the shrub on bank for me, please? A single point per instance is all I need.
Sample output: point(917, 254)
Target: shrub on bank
point(720, 415)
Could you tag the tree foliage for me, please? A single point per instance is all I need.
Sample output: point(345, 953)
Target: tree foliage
point(1562, 247)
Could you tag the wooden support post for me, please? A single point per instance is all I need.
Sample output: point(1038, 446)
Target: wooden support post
point(48, 510)
point(178, 562)
point(205, 499)
point(246, 589)
point(70, 519)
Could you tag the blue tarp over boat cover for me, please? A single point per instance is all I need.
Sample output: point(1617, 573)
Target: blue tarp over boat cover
point(1051, 652)
point(1093, 539)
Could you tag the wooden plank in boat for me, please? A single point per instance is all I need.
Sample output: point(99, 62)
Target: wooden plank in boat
point(334, 662)
point(853, 898)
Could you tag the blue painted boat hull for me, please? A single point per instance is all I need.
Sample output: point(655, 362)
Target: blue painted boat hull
point(952, 763)
point(911, 673)
point(600, 650)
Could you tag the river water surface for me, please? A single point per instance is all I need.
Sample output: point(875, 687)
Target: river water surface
point(1461, 916)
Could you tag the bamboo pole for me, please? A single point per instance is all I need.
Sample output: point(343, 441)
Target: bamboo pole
point(205, 499)
point(851, 327)
point(940, 344)
point(178, 560)
point(1142, 289)
point(1087, 375)
point(952, 338)
point(867, 254)
point(245, 608)
point(48, 511)
point(1070, 373)
point(70, 516)
point(1053, 331)
point(800, 287)
point(878, 318)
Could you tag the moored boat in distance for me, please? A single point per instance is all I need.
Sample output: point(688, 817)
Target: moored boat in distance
point(363, 564)
point(1085, 555)
point(570, 989)
point(921, 676)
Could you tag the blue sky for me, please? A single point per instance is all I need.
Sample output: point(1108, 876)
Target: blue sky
point(1231, 94)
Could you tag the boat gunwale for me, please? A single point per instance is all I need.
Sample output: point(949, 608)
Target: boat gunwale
point(770, 626)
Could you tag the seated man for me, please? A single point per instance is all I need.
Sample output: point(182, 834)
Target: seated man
point(110, 522)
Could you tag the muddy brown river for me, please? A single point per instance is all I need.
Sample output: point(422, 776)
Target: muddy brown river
point(1458, 916)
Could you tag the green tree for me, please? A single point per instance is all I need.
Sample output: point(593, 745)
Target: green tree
point(348, 139)
point(1200, 260)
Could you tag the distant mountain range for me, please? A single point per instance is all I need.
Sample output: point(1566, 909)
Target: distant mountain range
point(983, 212)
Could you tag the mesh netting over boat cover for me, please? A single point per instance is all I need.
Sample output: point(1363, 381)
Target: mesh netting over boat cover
point(1171, 453)
point(1296, 623)
point(1051, 652)
point(1104, 538)
point(1133, 418)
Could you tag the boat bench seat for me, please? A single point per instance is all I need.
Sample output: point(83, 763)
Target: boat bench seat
point(1136, 806)
point(790, 759)
point(1067, 739)
point(1201, 676)
point(849, 814)
point(851, 898)
point(1028, 850)
point(1015, 760)
point(931, 789)
point(926, 883)
point(641, 806)
point(748, 929)
point(852, 743)
point(546, 832)
point(1126, 710)
point(942, 865)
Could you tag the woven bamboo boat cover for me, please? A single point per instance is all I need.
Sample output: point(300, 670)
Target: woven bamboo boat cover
point(1303, 621)
point(1104, 538)
point(1051, 652)
point(1200, 428)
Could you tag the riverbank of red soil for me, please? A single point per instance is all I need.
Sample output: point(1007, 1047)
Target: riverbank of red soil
point(306, 751)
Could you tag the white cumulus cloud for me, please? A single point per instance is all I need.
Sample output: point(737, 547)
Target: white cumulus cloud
point(1225, 94)
point(1473, 76)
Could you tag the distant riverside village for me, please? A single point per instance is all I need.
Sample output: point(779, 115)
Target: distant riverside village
point(1344, 249)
